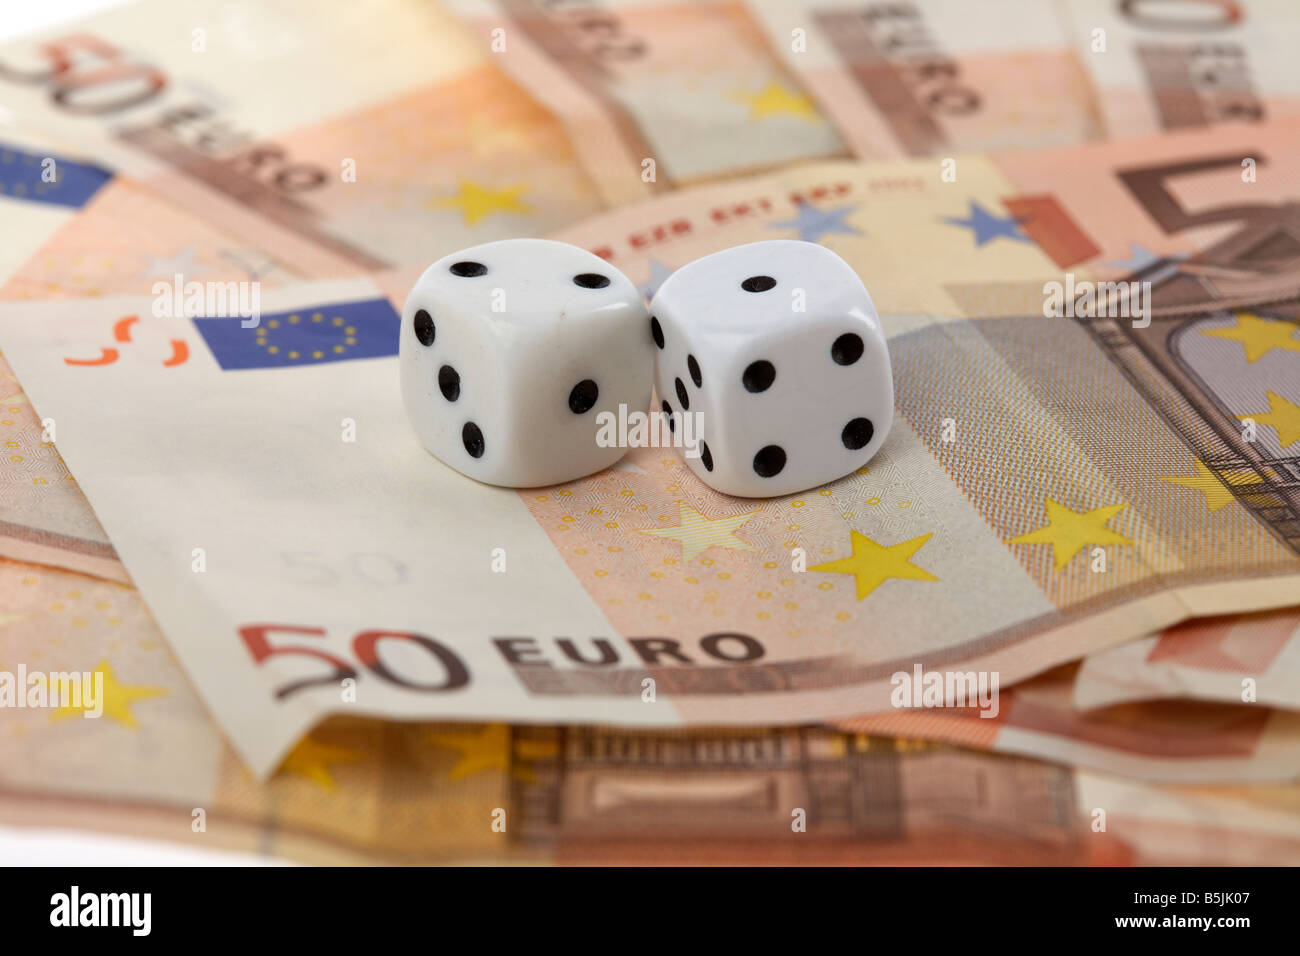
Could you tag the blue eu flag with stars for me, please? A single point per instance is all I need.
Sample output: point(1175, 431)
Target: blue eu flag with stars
point(24, 175)
point(308, 336)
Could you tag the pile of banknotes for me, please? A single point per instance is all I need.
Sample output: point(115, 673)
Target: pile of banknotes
point(1056, 620)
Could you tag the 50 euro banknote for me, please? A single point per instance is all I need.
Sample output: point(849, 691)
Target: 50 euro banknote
point(79, 229)
point(349, 140)
point(1186, 64)
point(656, 94)
point(1251, 660)
point(153, 763)
point(936, 77)
point(146, 759)
point(1170, 741)
point(304, 555)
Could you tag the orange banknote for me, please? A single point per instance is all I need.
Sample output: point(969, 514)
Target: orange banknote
point(936, 77)
point(1082, 508)
point(377, 136)
point(1245, 659)
point(656, 94)
point(1167, 741)
point(153, 764)
point(1187, 65)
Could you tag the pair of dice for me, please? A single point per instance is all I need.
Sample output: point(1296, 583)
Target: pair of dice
point(510, 351)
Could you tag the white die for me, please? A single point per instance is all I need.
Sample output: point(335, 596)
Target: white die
point(788, 399)
point(509, 350)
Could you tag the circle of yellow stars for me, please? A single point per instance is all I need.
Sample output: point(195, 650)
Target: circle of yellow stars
point(264, 330)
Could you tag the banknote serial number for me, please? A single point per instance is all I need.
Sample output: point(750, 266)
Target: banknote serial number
point(1210, 898)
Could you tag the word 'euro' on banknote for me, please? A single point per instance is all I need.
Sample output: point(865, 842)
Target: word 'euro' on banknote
point(367, 790)
point(1071, 513)
point(367, 138)
point(936, 77)
point(332, 553)
point(656, 94)
point(420, 792)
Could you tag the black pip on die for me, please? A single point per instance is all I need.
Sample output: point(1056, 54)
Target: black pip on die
point(777, 347)
point(509, 351)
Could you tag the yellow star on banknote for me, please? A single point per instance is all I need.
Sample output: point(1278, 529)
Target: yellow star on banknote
point(312, 759)
point(872, 564)
point(697, 533)
point(475, 201)
point(1258, 336)
point(1283, 415)
point(489, 749)
point(1069, 531)
point(775, 100)
point(1217, 494)
point(117, 698)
